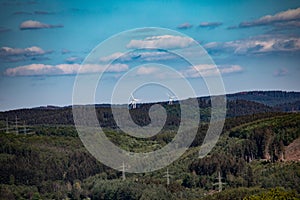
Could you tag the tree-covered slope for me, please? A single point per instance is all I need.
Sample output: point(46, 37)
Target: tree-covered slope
point(238, 104)
point(53, 164)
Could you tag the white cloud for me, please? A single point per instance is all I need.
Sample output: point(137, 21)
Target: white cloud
point(289, 24)
point(30, 51)
point(260, 44)
point(206, 70)
point(111, 57)
point(231, 69)
point(33, 69)
point(210, 24)
point(73, 59)
point(281, 72)
point(156, 56)
point(9, 54)
point(142, 56)
point(31, 24)
point(62, 69)
point(162, 42)
point(291, 14)
point(65, 51)
point(185, 26)
point(40, 12)
point(3, 30)
point(147, 70)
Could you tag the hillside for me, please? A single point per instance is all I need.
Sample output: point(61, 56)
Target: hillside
point(292, 151)
point(270, 98)
point(47, 160)
point(239, 104)
point(53, 164)
point(289, 107)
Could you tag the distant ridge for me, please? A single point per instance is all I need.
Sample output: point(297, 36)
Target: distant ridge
point(270, 98)
point(274, 98)
point(238, 104)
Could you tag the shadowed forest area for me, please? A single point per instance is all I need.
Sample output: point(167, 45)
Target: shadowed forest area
point(256, 157)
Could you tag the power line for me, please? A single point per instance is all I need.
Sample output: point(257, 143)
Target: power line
point(16, 126)
point(24, 126)
point(17, 131)
point(6, 125)
point(123, 172)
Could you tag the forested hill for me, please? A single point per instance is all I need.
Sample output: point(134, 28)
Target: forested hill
point(239, 104)
point(270, 98)
point(257, 152)
point(254, 155)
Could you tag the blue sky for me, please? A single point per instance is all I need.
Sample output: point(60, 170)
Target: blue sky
point(255, 44)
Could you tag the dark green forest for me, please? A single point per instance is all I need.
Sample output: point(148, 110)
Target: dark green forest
point(43, 157)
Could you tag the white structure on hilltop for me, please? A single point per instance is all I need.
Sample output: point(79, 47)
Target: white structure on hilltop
point(133, 102)
point(171, 99)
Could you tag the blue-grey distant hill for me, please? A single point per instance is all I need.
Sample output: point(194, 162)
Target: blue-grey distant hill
point(238, 104)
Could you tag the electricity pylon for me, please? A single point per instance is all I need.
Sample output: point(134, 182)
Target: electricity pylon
point(17, 130)
point(123, 169)
point(167, 176)
point(220, 184)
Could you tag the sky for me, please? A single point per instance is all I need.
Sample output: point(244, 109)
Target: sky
point(45, 44)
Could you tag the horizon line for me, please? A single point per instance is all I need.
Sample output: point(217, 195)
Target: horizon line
point(150, 102)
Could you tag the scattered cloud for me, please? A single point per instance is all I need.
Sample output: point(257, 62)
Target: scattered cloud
point(82, 10)
point(232, 27)
point(284, 16)
point(162, 42)
point(73, 59)
point(285, 26)
point(281, 72)
point(22, 13)
point(210, 24)
point(3, 30)
point(259, 44)
point(8, 51)
point(141, 56)
point(17, 54)
point(185, 26)
point(111, 57)
point(41, 12)
point(206, 70)
point(30, 24)
point(155, 56)
point(65, 51)
point(18, 3)
point(38, 12)
point(62, 69)
point(155, 72)
point(290, 23)
point(147, 70)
